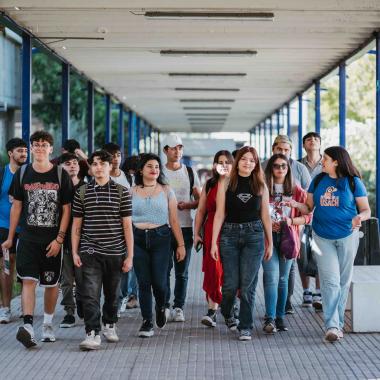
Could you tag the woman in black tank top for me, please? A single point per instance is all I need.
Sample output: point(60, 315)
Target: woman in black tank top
point(245, 238)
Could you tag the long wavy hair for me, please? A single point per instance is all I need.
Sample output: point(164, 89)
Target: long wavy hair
point(288, 183)
point(345, 167)
point(143, 159)
point(215, 175)
point(256, 178)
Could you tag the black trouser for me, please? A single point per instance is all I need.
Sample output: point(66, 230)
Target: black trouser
point(292, 281)
point(98, 271)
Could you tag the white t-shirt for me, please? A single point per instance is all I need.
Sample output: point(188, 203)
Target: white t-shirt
point(179, 181)
point(121, 180)
point(276, 206)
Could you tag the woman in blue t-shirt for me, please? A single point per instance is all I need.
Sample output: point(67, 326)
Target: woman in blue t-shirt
point(340, 204)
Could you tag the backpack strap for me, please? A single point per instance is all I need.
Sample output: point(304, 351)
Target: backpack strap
point(82, 192)
point(59, 172)
point(2, 172)
point(120, 189)
point(22, 172)
point(191, 178)
point(351, 182)
point(318, 179)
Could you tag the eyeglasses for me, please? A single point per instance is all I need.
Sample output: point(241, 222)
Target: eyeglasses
point(280, 166)
point(41, 146)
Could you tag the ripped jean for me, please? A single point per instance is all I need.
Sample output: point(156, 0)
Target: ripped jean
point(276, 274)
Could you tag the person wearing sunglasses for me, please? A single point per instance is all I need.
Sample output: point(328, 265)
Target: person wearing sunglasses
point(282, 189)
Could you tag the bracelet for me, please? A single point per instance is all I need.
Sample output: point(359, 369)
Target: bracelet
point(58, 242)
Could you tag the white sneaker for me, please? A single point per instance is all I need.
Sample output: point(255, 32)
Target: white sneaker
point(109, 332)
point(169, 315)
point(91, 342)
point(47, 333)
point(5, 315)
point(25, 335)
point(178, 315)
point(123, 305)
point(332, 335)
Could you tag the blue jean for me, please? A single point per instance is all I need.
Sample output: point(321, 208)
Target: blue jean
point(151, 260)
point(241, 251)
point(276, 274)
point(335, 260)
point(128, 285)
point(181, 269)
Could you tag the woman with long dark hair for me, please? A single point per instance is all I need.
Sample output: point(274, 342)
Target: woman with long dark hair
point(340, 203)
point(154, 208)
point(242, 207)
point(212, 269)
point(282, 189)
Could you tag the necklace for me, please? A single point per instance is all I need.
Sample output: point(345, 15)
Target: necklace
point(150, 193)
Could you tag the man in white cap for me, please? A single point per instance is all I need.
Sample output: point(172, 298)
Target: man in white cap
point(185, 183)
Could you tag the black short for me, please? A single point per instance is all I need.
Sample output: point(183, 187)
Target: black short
point(4, 236)
point(32, 263)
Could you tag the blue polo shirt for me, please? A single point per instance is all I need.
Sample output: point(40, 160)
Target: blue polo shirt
point(335, 206)
point(5, 204)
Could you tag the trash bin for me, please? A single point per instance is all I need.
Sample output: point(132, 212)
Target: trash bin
point(369, 246)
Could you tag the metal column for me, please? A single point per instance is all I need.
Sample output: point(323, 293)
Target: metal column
point(377, 125)
point(299, 126)
point(145, 136)
point(342, 104)
point(65, 106)
point(317, 86)
point(120, 128)
point(265, 140)
point(158, 142)
point(270, 132)
point(108, 119)
point(289, 128)
point(26, 94)
point(278, 122)
point(138, 134)
point(131, 129)
point(90, 117)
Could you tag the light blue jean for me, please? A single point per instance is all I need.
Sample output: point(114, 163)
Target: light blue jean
point(335, 260)
point(276, 275)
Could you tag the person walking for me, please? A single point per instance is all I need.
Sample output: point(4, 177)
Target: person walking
point(185, 183)
point(242, 207)
point(282, 189)
point(340, 203)
point(204, 219)
point(154, 208)
point(42, 194)
point(18, 153)
point(102, 246)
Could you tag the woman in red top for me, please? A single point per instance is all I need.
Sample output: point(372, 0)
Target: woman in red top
point(212, 269)
point(282, 190)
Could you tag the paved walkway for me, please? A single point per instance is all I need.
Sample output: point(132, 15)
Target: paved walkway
point(192, 351)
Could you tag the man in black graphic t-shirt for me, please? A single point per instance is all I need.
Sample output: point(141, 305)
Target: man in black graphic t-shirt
point(42, 196)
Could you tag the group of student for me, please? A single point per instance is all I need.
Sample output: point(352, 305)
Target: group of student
point(132, 224)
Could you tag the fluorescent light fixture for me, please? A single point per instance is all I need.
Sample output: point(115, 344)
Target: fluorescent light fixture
point(207, 100)
point(206, 89)
point(206, 108)
point(204, 119)
point(197, 15)
point(206, 114)
point(210, 53)
point(207, 74)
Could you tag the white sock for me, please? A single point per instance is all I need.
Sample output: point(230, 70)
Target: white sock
point(48, 319)
point(306, 290)
point(318, 291)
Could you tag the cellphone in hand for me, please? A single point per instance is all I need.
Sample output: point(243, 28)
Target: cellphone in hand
point(199, 245)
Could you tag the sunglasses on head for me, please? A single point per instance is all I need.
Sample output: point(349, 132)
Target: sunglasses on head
point(280, 166)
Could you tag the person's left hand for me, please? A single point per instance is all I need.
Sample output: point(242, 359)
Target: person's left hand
point(182, 205)
point(127, 264)
point(356, 222)
point(53, 249)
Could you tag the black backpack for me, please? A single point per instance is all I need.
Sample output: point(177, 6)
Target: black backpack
point(2, 171)
point(191, 178)
point(320, 176)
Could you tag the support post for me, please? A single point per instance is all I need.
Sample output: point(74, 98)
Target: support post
point(138, 134)
point(270, 131)
point(26, 95)
point(300, 126)
point(377, 125)
point(265, 140)
point(65, 106)
point(108, 118)
point(120, 128)
point(278, 122)
point(90, 117)
point(317, 86)
point(131, 129)
point(342, 104)
point(289, 127)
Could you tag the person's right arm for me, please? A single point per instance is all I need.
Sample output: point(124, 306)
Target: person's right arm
point(219, 217)
point(304, 208)
point(75, 239)
point(199, 217)
point(14, 220)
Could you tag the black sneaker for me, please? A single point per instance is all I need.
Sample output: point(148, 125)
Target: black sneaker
point(209, 319)
point(269, 326)
point(25, 335)
point(231, 323)
point(160, 317)
point(280, 325)
point(289, 308)
point(146, 329)
point(317, 301)
point(68, 321)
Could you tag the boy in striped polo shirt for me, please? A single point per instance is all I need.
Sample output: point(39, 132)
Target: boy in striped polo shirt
point(101, 232)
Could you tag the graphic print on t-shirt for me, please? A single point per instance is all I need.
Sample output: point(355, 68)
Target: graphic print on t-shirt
point(244, 197)
point(329, 199)
point(42, 204)
point(279, 208)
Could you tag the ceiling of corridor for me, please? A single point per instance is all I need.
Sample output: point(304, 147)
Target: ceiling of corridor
point(301, 42)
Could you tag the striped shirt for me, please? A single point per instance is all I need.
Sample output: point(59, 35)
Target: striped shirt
point(102, 210)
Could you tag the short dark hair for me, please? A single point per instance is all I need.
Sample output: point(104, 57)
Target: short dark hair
point(15, 143)
point(71, 145)
point(67, 157)
point(103, 155)
point(130, 163)
point(42, 135)
point(111, 148)
point(311, 134)
point(143, 159)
